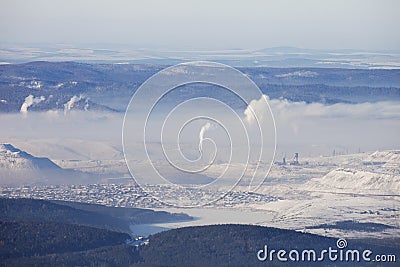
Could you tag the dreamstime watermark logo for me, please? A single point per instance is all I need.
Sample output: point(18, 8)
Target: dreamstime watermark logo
point(339, 253)
point(198, 125)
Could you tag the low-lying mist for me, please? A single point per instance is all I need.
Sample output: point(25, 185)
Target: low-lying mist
point(311, 129)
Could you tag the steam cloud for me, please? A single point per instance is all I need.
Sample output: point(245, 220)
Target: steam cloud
point(29, 101)
point(256, 110)
point(284, 110)
point(203, 129)
point(70, 104)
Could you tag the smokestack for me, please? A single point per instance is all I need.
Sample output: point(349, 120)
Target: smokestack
point(295, 159)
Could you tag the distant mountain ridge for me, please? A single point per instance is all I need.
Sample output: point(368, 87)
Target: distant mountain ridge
point(279, 56)
point(65, 86)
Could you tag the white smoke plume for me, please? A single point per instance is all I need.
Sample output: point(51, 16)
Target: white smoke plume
point(256, 110)
point(285, 110)
point(203, 130)
point(70, 104)
point(29, 101)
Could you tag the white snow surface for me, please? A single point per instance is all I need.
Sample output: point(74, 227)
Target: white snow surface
point(18, 167)
point(307, 74)
point(355, 181)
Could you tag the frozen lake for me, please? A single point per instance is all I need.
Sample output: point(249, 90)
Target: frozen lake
point(205, 216)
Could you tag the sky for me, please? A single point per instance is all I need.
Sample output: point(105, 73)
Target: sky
point(205, 24)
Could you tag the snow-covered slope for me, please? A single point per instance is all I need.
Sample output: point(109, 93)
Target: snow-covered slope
point(19, 167)
point(14, 158)
point(392, 156)
point(388, 159)
point(361, 187)
point(376, 173)
point(355, 181)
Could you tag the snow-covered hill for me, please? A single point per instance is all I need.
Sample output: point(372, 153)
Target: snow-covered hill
point(19, 167)
point(376, 173)
point(391, 156)
point(44, 86)
point(387, 159)
point(355, 181)
point(14, 158)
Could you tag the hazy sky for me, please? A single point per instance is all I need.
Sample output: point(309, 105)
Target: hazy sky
point(205, 24)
